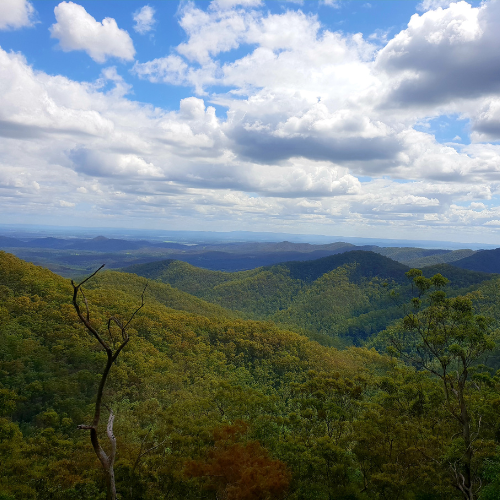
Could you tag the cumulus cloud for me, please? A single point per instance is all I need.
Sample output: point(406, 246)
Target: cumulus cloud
point(144, 19)
point(170, 69)
point(32, 108)
point(15, 14)
point(211, 32)
point(321, 126)
point(76, 29)
point(107, 164)
point(294, 63)
point(434, 4)
point(486, 121)
point(444, 55)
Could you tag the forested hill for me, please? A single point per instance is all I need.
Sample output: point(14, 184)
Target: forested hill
point(205, 403)
point(182, 275)
point(487, 261)
point(460, 279)
point(181, 379)
point(341, 296)
point(368, 265)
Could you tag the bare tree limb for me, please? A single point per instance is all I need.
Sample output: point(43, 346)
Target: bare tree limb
point(107, 462)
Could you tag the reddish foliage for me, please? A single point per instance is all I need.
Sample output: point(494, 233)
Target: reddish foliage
point(240, 471)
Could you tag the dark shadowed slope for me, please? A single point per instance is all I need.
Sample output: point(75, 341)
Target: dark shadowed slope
point(369, 265)
point(459, 278)
point(486, 261)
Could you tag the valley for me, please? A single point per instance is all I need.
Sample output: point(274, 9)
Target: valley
point(284, 367)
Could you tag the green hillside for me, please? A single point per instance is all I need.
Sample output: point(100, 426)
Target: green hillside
point(344, 297)
point(461, 280)
point(369, 264)
point(487, 261)
point(185, 277)
point(284, 292)
point(163, 293)
point(407, 255)
point(422, 257)
point(442, 258)
point(206, 403)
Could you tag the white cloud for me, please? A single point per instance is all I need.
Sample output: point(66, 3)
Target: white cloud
point(229, 4)
point(170, 69)
point(331, 3)
point(434, 4)
point(106, 164)
point(77, 30)
point(211, 32)
point(15, 14)
point(291, 53)
point(307, 116)
point(444, 55)
point(32, 107)
point(486, 120)
point(144, 19)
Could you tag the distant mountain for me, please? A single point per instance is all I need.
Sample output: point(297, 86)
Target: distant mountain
point(283, 246)
point(487, 261)
point(369, 265)
point(318, 296)
point(54, 243)
point(459, 278)
point(72, 255)
point(7, 242)
point(224, 261)
point(440, 258)
point(409, 255)
point(103, 244)
point(98, 244)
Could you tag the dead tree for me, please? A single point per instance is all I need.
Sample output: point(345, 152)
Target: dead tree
point(112, 352)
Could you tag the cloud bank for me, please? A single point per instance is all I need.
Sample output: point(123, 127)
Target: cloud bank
point(324, 131)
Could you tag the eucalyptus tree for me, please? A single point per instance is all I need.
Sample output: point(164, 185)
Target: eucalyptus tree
point(444, 337)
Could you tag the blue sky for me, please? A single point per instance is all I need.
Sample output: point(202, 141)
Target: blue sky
point(42, 52)
point(368, 119)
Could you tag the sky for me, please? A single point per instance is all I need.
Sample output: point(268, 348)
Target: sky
point(347, 118)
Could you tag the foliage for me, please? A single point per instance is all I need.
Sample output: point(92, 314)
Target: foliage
point(197, 387)
point(447, 339)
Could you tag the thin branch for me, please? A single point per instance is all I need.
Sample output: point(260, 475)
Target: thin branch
point(86, 279)
point(138, 309)
point(86, 304)
point(106, 461)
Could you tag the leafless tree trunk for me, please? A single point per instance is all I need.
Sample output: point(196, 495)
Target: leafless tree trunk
point(107, 461)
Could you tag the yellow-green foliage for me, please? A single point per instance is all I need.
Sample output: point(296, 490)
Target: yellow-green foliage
point(190, 369)
point(182, 375)
point(328, 305)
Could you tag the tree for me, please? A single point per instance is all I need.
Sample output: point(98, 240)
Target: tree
point(112, 349)
point(240, 471)
point(444, 337)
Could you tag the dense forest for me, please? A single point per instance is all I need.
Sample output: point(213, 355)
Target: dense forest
point(71, 256)
point(347, 377)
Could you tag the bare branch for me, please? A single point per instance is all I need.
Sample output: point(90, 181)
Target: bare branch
point(86, 304)
point(138, 309)
point(86, 279)
point(107, 462)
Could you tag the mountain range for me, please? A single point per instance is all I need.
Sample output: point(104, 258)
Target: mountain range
point(70, 256)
